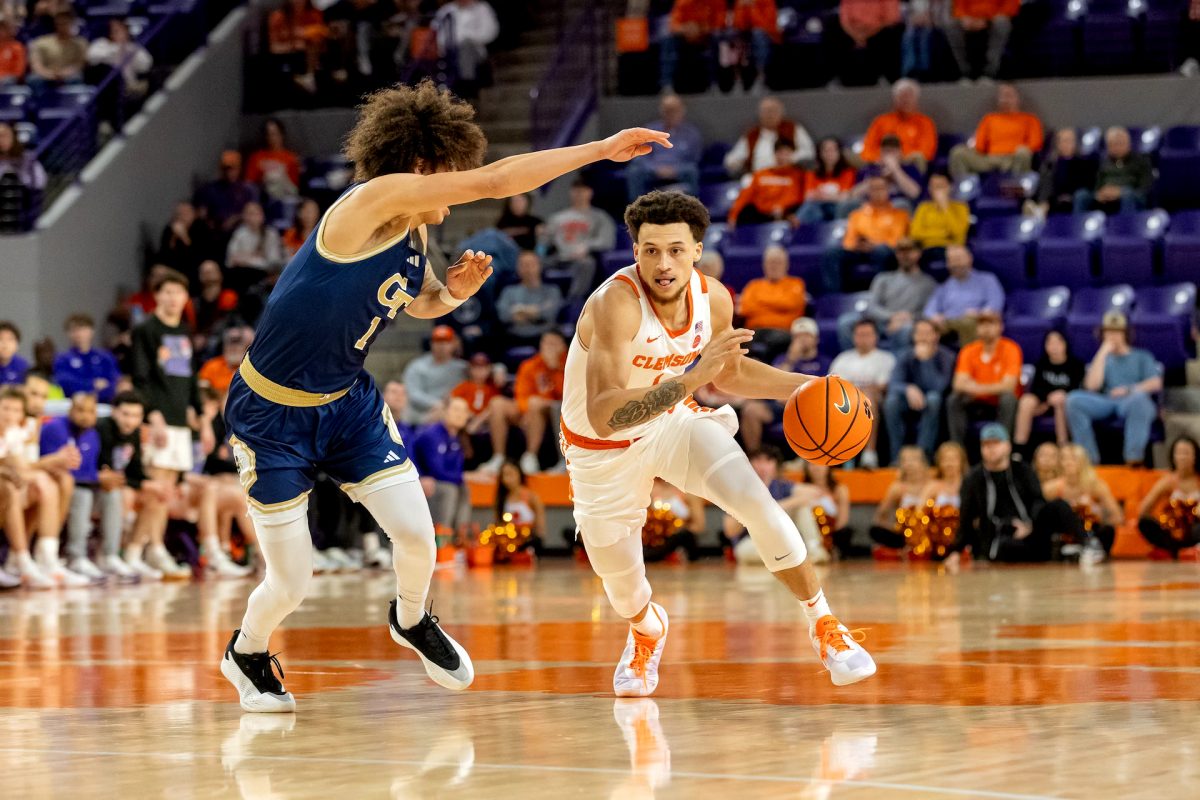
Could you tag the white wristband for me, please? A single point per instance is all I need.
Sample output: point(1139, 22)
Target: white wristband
point(449, 299)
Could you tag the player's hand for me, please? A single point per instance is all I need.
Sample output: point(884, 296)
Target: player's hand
point(464, 278)
point(721, 352)
point(633, 142)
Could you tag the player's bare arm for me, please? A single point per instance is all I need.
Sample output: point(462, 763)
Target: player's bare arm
point(386, 205)
point(611, 410)
point(746, 377)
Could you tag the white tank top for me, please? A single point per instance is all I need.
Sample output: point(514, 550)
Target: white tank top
point(658, 354)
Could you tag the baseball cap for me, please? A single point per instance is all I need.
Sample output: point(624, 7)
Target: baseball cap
point(1114, 321)
point(993, 432)
point(480, 360)
point(443, 333)
point(231, 158)
point(805, 325)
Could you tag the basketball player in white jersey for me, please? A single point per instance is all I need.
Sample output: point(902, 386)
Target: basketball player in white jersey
point(649, 337)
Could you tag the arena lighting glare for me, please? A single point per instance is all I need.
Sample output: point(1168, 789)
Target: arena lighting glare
point(1027, 226)
point(1076, 9)
point(1136, 8)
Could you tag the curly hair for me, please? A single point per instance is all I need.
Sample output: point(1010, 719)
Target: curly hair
point(665, 208)
point(406, 128)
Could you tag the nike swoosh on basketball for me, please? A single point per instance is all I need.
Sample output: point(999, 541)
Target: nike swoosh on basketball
point(654, 339)
point(843, 406)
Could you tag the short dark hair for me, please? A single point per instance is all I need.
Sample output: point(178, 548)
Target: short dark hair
point(1195, 450)
point(15, 393)
point(12, 328)
point(554, 332)
point(767, 451)
point(170, 276)
point(79, 320)
point(404, 128)
point(870, 323)
point(128, 398)
point(933, 175)
point(783, 142)
point(664, 208)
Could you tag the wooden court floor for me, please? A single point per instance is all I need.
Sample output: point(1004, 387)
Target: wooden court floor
point(1032, 682)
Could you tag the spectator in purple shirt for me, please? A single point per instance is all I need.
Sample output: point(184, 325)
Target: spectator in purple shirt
point(679, 164)
point(956, 304)
point(438, 456)
point(802, 357)
point(82, 368)
point(78, 429)
point(220, 203)
point(12, 366)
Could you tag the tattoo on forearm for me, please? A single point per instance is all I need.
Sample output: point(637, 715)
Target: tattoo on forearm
point(656, 401)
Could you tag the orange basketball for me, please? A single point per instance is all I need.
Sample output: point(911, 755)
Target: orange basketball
point(828, 421)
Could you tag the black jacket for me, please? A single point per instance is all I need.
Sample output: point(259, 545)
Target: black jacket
point(992, 501)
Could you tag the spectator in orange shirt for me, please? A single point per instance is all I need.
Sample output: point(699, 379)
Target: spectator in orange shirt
point(985, 379)
point(1005, 141)
point(298, 30)
point(973, 16)
point(693, 24)
point(218, 372)
point(485, 402)
point(538, 394)
point(771, 304)
point(772, 194)
point(872, 232)
point(308, 214)
point(827, 185)
point(13, 61)
point(757, 21)
point(866, 43)
point(916, 132)
point(274, 167)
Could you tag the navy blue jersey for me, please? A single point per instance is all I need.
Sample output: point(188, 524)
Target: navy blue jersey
point(326, 310)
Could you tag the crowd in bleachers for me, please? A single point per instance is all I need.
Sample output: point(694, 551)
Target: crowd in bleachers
point(696, 45)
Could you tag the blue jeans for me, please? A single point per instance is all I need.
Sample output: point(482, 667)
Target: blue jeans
point(1128, 204)
point(641, 178)
point(814, 211)
point(896, 409)
point(895, 342)
point(760, 49)
point(668, 58)
point(915, 51)
point(1137, 410)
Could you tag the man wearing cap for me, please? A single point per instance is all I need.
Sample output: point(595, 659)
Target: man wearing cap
point(429, 378)
point(1119, 382)
point(1003, 511)
point(985, 378)
point(801, 357)
point(956, 305)
point(529, 308)
point(896, 300)
point(918, 387)
point(220, 203)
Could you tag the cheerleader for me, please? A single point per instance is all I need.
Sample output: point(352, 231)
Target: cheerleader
point(943, 497)
point(903, 498)
point(673, 520)
point(522, 506)
point(1175, 526)
point(829, 503)
point(1088, 497)
point(1047, 462)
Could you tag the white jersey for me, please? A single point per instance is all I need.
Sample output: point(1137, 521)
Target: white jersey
point(658, 354)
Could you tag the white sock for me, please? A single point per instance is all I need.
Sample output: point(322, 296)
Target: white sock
point(133, 553)
point(370, 542)
point(650, 625)
point(815, 607)
point(409, 610)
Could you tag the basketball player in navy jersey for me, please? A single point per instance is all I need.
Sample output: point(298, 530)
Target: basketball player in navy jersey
point(302, 402)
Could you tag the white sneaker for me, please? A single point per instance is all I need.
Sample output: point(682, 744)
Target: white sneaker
point(222, 566)
point(637, 671)
point(530, 464)
point(158, 558)
point(868, 460)
point(114, 566)
point(253, 675)
point(8, 580)
point(142, 569)
point(65, 577)
point(84, 566)
point(1092, 554)
point(649, 752)
point(845, 659)
point(32, 576)
point(493, 464)
point(344, 561)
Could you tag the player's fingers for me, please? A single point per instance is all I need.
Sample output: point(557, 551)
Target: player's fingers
point(487, 273)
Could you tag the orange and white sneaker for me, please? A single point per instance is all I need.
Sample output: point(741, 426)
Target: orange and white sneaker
point(637, 671)
point(649, 752)
point(840, 651)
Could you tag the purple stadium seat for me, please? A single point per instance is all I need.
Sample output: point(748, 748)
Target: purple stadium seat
point(1182, 137)
point(614, 260)
point(743, 248)
point(829, 308)
point(1001, 246)
point(1128, 247)
point(718, 197)
point(1178, 184)
point(1030, 313)
point(1162, 321)
point(1109, 47)
point(1088, 306)
point(946, 143)
point(1146, 140)
point(1181, 247)
point(14, 103)
point(1063, 252)
point(712, 163)
point(808, 246)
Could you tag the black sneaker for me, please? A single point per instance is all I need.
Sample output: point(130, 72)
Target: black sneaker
point(253, 675)
point(446, 662)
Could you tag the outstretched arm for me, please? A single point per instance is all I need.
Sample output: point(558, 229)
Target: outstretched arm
point(407, 195)
point(744, 376)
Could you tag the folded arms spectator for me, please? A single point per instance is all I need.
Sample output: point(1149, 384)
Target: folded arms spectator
point(518, 222)
point(1005, 141)
point(1124, 180)
point(678, 164)
point(254, 249)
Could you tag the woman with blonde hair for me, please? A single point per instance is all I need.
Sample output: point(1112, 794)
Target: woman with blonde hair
point(1088, 497)
point(829, 502)
point(943, 498)
point(905, 496)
